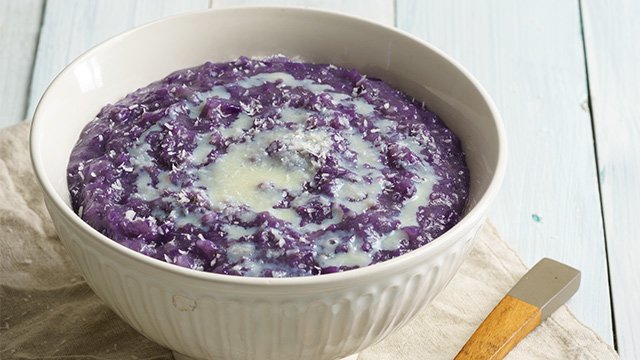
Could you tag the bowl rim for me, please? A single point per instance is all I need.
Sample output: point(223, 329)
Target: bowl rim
point(439, 244)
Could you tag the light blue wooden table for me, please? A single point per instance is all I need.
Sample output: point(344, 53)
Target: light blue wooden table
point(564, 74)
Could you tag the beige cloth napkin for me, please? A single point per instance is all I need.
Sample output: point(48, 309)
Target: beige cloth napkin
point(47, 311)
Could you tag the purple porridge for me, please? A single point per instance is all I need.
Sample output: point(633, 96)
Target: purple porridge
point(268, 167)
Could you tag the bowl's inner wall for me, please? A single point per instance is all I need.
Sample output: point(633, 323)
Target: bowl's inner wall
point(135, 59)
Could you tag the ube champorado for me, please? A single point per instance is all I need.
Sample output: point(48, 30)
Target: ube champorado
point(268, 167)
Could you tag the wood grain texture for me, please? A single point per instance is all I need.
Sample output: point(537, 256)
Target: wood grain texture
point(19, 28)
point(529, 57)
point(381, 11)
point(612, 44)
point(71, 27)
point(509, 322)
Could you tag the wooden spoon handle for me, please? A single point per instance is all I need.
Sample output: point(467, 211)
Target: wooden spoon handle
point(510, 321)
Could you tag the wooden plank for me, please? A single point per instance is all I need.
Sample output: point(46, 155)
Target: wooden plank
point(71, 27)
point(611, 41)
point(19, 28)
point(381, 11)
point(529, 57)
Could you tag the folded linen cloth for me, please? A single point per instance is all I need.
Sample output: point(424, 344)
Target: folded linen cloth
point(47, 311)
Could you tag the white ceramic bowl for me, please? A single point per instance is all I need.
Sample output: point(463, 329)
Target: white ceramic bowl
point(203, 315)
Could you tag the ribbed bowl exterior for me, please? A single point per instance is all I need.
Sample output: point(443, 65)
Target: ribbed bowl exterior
point(205, 320)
